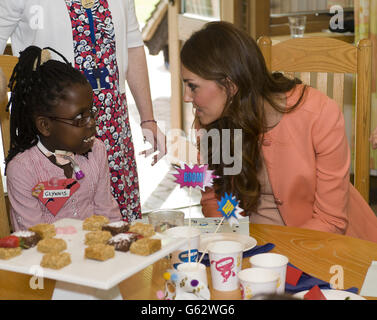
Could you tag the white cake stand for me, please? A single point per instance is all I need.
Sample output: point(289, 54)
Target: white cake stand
point(71, 291)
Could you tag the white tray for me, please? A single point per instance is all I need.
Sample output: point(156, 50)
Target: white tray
point(97, 274)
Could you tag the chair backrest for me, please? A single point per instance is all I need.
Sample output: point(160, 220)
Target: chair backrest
point(7, 64)
point(301, 57)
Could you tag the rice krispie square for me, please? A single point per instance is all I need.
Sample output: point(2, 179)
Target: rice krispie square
point(100, 252)
point(50, 245)
point(94, 223)
point(146, 230)
point(8, 253)
point(45, 230)
point(56, 260)
point(145, 246)
point(94, 237)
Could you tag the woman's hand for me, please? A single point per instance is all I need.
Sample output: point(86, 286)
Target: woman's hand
point(153, 135)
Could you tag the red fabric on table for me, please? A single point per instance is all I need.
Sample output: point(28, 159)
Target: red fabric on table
point(293, 275)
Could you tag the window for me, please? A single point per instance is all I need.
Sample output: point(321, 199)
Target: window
point(206, 8)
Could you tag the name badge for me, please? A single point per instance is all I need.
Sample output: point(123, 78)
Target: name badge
point(55, 195)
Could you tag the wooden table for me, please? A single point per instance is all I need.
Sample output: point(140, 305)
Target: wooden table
point(313, 252)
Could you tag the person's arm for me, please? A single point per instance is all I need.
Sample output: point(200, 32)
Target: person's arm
point(104, 202)
point(11, 12)
point(330, 209)
point(138, 81)
point(25, 210)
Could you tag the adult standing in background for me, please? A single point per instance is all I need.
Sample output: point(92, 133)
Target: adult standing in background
point(101, 38)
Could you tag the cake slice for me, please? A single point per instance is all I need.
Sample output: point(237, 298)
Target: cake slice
point(145, 246)
point(28, 239)
point(122, 241)
point(116, 227)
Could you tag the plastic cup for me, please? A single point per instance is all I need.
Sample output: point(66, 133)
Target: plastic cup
point(226, 261)
point(195, 270)
point(275, 262)
point(297, 26)
point(189, 249)
point(163, 220)
point(254, 281)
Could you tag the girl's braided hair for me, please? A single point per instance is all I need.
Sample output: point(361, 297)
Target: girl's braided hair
point(36, 88)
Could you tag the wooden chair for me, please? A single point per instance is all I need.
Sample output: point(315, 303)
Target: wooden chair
point(323, 56)
point(7, 64)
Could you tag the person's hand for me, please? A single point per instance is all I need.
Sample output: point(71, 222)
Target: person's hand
point(373, 139)
point(153, 135)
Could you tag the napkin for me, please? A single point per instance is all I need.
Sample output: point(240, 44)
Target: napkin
point(314, 293)
point(369, 288)
point(253, 251)
point(306, 282)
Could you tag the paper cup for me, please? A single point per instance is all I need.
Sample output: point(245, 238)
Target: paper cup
point(255, 281)
point(194, 270)
point(226, 261)
point(181, 255)
point(275, 262)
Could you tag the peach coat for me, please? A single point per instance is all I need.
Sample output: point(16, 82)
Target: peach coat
point(308, 159)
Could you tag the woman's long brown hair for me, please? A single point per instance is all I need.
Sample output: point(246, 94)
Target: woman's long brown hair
point(226, 55)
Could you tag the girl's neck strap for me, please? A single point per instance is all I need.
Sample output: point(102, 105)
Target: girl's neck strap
point(60, 155)
point(44, 150)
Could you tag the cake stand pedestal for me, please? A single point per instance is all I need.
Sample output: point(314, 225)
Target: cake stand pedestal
point(70, 291)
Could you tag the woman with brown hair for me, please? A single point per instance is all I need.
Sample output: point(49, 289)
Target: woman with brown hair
point(295, 155)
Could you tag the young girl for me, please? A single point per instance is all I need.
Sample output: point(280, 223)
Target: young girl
point(55, 167)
